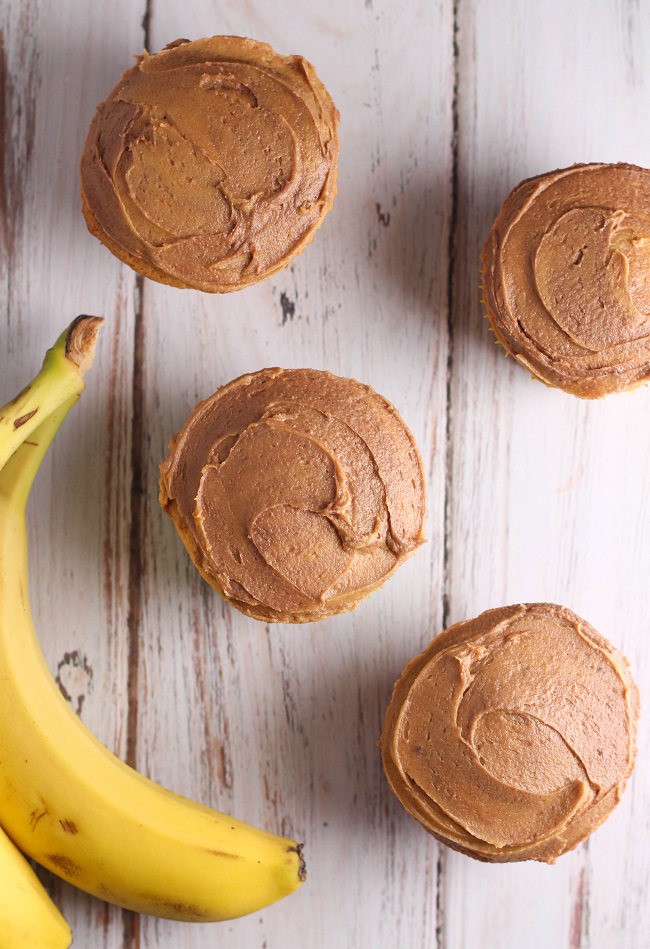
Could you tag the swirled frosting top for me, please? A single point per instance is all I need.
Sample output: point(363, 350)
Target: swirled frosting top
point(513, 735)
point(296, 492)
point(211, 163)
point(566, 274)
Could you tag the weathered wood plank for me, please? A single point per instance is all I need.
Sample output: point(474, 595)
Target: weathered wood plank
point(546, 493)
point(58, 65)
point(279, 726)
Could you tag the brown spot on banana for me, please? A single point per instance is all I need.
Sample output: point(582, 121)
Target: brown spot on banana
point(176, 910)
point(24, 418)
point(62, 865)
point(37, 815)
point(69, 826)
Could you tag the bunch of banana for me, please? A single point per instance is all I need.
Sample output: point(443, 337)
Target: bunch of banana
point(65, 800)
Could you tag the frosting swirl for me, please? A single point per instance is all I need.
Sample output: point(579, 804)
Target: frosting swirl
point(211, 163)
point(297, 493)
point(566, 276)
point(513, 735)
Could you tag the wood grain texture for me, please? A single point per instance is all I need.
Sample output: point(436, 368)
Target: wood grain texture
point(280, 725)
point(533, 495)
point(51, 271)
point(546, 493)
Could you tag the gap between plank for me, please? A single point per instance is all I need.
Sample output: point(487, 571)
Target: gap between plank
point(451, 301)
point(134, 615)
point(130, 920)
point(441, 866)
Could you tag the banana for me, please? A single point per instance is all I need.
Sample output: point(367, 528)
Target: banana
point(28, 917)
point(65, 800)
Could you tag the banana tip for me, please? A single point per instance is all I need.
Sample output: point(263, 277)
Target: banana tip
point(302, 866)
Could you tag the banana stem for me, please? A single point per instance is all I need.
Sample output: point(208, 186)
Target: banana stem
point(18, 473)
point(60, 379)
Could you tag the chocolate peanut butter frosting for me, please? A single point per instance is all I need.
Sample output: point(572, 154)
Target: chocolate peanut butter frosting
point(566, 276)
point(297, 493)
point(513, 735)
point(212, 163)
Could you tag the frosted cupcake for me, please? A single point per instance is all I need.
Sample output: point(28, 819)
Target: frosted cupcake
point(513, 735)
point(297, 493)
point(211, 164)
point(566, 277)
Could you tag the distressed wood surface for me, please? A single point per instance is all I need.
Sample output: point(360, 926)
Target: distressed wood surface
point(533, 495)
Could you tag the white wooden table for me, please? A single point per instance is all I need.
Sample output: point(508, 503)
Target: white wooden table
point(533, 495)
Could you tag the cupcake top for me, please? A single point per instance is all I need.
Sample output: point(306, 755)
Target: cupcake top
point(297, 493)
point(513, 735)
point(566, 276)
point(212, 163)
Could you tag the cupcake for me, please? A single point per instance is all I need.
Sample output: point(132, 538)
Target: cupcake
point(566, 277)
point(513, 735)
point(297, 493)
point(211, 164)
